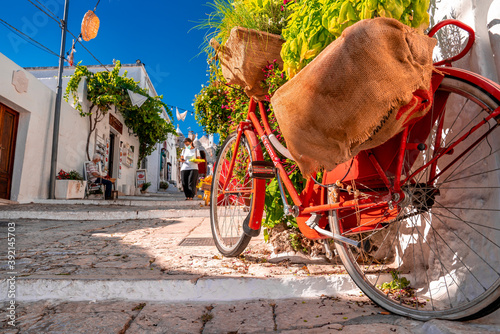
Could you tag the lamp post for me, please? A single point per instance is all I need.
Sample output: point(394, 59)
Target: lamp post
point(57, 111)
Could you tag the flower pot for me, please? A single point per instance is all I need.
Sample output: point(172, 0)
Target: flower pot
point(245, 54)
point(70, 189)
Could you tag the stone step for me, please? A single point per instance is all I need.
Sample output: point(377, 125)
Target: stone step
point(107, 214)
point(105, 210)
point(189, 289)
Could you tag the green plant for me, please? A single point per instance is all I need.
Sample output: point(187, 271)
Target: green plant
point(314, 24)
point(263, 15)
point(275, 78)
point(72, 175)
point(296, 243)
point(163, 185)
point(145, 186)
point(396, 283)
point(107, 89)
point(219, 107)
point(275, 213)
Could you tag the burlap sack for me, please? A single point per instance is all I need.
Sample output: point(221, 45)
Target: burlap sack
point(357, 94)
point(244, 56)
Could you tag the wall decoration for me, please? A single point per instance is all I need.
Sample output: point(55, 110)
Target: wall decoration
point(100, 145)
point(121, 159)
point(127, 155)
point(140, 177)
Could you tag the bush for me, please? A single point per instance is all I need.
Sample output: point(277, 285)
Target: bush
point(72, 175)
point(164, 185)
point(145, 186)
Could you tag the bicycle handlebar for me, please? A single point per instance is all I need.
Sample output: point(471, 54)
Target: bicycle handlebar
point(472, 37)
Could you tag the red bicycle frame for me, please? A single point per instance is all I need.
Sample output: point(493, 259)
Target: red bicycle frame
point(367, 165)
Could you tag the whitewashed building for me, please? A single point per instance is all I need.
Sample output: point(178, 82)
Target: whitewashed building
point(27, 100)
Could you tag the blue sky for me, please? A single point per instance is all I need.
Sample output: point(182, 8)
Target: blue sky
point(159, 33)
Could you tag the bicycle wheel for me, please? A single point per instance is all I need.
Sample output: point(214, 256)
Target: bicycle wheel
point(436, 254)
point(230, 207)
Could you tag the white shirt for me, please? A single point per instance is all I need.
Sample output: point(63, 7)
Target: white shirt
point(188, 154)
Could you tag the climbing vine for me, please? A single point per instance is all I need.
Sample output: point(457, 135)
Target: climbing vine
point(106, 89)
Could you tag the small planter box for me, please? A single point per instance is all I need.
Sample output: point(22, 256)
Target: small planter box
point(70, 189)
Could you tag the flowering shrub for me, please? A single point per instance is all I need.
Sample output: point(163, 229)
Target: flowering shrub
point(220, 107)
point(275, 78)
point(72, 175)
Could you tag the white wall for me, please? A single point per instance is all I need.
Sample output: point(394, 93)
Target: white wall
point(474, 13)
point(48, 77)
point(34, 138)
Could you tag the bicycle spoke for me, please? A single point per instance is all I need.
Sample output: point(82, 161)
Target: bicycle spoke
point(469, 176)
point(426, 273)
point(460, 219)
point(437, 254)
point(467, 222)
point(470, 153)
point(465, 266)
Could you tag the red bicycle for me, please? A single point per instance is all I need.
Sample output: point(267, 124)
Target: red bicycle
point(416, 221)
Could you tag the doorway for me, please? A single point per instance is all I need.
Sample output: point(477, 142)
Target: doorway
point(8, 133)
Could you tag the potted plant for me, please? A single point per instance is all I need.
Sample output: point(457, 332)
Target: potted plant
point(69, 185)
point(163, 185)
point(145, 187)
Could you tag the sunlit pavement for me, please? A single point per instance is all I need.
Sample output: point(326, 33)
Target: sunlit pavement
point(318, 315)
point(163, 275)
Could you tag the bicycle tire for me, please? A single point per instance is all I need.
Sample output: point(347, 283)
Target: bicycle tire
point(450, 280)
point(234, 242)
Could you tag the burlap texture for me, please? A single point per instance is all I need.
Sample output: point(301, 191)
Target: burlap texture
point(350, 97)
point(245, 55)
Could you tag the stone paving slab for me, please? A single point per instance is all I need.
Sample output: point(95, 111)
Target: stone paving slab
point(104, 212)
point(146, 249)
point(170, 199)
point(293, 316)
point(134, 259)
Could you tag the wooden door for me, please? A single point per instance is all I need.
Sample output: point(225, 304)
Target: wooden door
point(8, 132)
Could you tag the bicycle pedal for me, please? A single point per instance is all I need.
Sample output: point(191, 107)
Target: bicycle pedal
point(262, 170)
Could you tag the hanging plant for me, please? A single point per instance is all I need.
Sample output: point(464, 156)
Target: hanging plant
point(107, 89)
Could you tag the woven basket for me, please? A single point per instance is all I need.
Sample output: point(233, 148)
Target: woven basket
point(246, 53)
point(90, 26)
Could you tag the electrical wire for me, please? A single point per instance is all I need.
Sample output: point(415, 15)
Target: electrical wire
point(181, 109)
point(78, 40)
point(28, 38)
point(95, 7)
point(54, 15)
point(43, 11)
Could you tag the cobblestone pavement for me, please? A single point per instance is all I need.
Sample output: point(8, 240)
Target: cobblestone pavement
point(180, 248)
point(137, 248)
point(291, 316)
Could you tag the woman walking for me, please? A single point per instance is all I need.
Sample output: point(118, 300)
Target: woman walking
point(189, 169)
